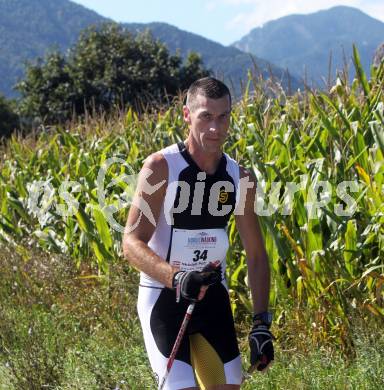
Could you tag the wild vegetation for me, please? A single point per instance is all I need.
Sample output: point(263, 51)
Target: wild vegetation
point(108, 67)
point(62, 329)
point(327, 263)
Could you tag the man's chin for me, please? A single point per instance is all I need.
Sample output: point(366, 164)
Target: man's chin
point(212, 146)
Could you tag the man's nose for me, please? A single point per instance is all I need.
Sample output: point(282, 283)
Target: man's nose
point(214, 126)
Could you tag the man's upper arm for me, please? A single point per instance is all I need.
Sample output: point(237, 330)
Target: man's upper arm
point(148, 199)
point(252, 239)
point(247, 222)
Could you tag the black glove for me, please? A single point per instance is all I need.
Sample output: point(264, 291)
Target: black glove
point(261, 346)
point(189, 283)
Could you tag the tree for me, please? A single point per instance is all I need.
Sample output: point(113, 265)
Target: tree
point(107, 67)
point(8, 118)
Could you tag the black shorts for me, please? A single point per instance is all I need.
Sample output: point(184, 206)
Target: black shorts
point(208, 354)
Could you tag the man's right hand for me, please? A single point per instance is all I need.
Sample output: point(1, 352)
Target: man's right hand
point(189, 284)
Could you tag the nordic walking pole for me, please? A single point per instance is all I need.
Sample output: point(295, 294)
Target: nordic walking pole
point(184, 324)
point(176, 346)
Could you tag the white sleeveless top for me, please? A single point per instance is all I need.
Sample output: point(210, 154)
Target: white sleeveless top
point(191, 230)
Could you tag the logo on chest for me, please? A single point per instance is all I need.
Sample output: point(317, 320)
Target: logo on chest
point(223, 197)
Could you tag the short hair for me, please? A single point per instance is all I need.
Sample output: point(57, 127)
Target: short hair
point(208, 87)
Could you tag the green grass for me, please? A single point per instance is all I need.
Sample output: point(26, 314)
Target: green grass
point(325, 369)
point(61, 329)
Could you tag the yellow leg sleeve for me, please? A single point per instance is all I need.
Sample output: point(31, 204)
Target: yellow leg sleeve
point(208, 367)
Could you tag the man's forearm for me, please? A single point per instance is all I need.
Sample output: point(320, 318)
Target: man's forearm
point(259, 283)
point(146, 260)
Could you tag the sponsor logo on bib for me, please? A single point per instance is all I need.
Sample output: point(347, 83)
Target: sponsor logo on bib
point(202, 238)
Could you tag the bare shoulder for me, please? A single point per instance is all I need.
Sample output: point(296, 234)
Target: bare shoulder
point(148, 198)
point(247, 173)
point(247, 187)
point(156, 161)
point(155, 168)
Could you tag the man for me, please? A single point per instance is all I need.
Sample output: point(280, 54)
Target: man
point(176, 232)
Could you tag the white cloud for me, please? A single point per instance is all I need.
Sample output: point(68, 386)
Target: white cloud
point(259, 12)
point(374, 8)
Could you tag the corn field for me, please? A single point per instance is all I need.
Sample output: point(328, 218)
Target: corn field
point(322, 257)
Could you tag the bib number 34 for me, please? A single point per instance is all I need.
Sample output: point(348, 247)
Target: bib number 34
point(200, 255)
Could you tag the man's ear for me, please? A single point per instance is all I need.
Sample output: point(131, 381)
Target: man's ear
point(187, 115)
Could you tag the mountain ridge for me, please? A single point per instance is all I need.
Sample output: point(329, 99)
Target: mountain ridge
point(28, 29)
point(187, 40)
point(15, 42)
point(300, 42)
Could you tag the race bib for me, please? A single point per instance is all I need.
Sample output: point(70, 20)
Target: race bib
point(192, 250)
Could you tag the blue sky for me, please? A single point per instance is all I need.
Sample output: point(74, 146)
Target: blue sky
point(224, 21)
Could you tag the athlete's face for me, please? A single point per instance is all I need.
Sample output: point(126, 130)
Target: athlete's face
point(208, 122)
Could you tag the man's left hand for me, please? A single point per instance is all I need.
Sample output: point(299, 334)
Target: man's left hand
point(261, 346)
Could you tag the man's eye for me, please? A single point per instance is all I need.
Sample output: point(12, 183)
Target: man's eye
point(206, 117)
